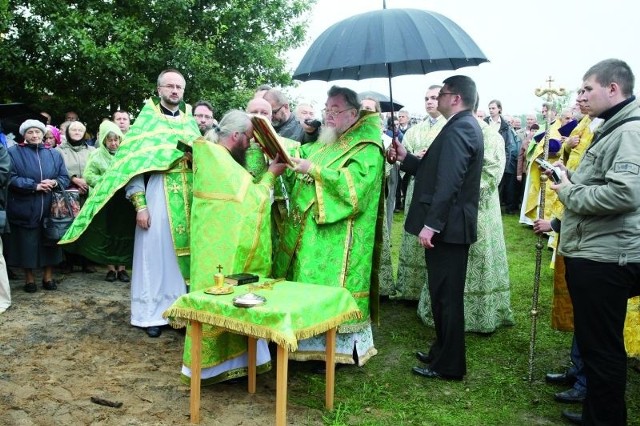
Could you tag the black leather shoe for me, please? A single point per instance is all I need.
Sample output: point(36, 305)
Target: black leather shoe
point(153, 331)
point(111, 276)
point(572, 416)
point(431, 374)
point(560, 378)
point(49, 285)
point(423, 357)
point(30, 287)
point(123, 277)
point(570, 396)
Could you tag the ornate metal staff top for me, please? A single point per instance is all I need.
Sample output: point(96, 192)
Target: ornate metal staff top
point(550, 93)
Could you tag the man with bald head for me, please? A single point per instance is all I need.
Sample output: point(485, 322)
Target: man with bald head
point(259, 106)
point(284, 120)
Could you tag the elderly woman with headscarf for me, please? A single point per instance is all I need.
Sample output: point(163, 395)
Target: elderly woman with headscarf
point(75, 151)
point(113, 215)
point(52, 136)
point(36, 170)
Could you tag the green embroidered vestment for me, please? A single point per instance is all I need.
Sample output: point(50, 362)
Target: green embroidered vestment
point(148, 147)
point(334, 215)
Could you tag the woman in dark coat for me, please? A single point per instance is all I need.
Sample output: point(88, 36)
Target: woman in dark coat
point(35, 171)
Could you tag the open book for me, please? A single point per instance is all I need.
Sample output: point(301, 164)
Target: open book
point(267, 137)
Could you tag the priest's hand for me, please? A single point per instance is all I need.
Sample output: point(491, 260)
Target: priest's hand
point(143, 219)
point(302, 165)
point(276, 167)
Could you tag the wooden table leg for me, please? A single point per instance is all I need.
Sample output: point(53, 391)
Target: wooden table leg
point(252, 355)
point(281, 386)
point(196, 370)
point(330, 356)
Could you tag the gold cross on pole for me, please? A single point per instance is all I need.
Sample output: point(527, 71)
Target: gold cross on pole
point(550, 92)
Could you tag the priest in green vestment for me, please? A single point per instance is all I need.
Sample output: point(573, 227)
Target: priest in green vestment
point(230, 233)
point(156, 176)
point(335, 218)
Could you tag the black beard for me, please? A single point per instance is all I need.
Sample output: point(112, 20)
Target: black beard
point(240, 155)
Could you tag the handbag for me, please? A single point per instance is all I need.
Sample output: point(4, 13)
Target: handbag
point(65, 205)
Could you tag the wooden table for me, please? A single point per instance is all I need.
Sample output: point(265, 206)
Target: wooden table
point(293, 311)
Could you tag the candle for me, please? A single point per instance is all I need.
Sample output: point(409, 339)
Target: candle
point(218, 279)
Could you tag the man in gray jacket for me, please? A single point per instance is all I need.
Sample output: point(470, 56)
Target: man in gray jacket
point(601, 237)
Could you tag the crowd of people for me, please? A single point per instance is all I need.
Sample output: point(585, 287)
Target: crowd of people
point(163, 194)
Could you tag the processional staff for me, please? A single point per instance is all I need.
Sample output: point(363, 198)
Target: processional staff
point(549, 93)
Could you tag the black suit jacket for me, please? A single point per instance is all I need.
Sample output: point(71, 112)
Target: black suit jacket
point(447, 182)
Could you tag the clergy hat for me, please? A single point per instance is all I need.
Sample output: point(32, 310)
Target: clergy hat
point(539, 136)
point(567, 128)
point(554, 146)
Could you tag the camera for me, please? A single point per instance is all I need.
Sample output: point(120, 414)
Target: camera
point(312, 123)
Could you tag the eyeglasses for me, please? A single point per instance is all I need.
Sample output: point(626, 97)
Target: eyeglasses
point(334, 114)
point(173, 87)
point(446, 93)
point(208, 117)
point(275, 111)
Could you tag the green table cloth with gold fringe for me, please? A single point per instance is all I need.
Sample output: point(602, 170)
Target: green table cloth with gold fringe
point(292, 311)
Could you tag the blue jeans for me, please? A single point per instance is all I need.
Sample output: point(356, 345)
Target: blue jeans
point(577, 369)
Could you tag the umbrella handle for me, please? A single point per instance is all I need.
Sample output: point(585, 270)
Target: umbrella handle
point(391, 158)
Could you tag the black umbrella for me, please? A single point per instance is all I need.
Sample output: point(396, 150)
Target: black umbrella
point(385, 102)
point(388, 43)
point(13, 115)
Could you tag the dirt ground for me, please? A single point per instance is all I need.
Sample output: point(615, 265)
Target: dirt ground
point(61, 348)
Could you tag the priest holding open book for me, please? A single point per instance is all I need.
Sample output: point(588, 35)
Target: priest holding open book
point(335, 219)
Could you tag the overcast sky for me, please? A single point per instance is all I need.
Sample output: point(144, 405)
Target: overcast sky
point(525, 41)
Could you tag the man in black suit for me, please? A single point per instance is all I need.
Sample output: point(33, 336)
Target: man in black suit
point(443, 214)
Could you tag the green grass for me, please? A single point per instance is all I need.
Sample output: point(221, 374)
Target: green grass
point(494, 392)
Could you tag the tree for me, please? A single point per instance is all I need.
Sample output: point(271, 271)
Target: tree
point(95, 56)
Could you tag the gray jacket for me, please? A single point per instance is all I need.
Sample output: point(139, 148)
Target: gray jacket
point(601, 220)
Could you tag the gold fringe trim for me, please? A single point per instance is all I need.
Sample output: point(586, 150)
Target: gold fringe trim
point(321, 356)
point(228, 375)
point(340, 358)
point(354, 328)
point(179, 317)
